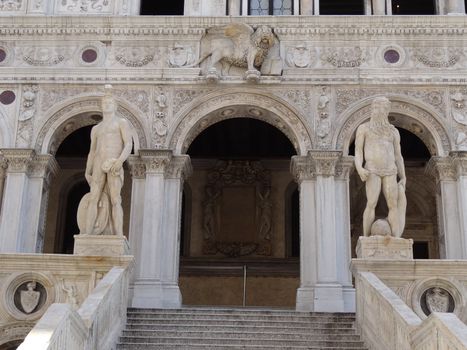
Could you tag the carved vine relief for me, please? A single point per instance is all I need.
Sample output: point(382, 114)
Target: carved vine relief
point(251, 235)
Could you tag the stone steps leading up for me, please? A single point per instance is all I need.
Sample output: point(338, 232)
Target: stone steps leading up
point(223, 328)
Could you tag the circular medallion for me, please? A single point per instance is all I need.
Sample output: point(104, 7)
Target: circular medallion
point(2, 55)
point(30, 297)
point(391, 56)
point(7, 97)
point(89, 55)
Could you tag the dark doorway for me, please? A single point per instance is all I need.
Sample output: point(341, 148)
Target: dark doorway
point(413, 7)
point(162, 8)
point(341, 7)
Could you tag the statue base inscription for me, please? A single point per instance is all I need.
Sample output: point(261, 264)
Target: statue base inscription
point(94, 245)
point(384, 247)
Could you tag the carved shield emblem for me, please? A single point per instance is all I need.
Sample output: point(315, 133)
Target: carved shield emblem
point(437, 300)
point(180, 56)
point(29, 298)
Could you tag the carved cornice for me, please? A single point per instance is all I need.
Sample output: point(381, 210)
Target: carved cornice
point(179, 168)
point(155, 161)
point(441, 168)
point(18, 159)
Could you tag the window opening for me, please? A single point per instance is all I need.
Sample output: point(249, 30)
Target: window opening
point(413, 7)
point(341, 7)
point(162, 8)
point(270, 7)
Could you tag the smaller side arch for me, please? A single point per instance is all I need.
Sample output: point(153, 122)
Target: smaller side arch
point(407, 113)
point(77, 113)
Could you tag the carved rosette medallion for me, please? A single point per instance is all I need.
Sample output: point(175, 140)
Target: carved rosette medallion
point(234, 189)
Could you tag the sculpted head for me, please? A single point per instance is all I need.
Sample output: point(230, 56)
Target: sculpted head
point(380, 107)
point(263, 37)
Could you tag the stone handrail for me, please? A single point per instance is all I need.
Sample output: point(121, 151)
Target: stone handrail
point(385, 322)
point(95, 325)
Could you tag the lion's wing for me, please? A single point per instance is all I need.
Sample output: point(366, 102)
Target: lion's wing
point(239, 33)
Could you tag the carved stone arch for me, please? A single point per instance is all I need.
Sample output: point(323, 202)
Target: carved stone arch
point(14, 332)
point(407, 113)
point(77, 113)
point(234, 103)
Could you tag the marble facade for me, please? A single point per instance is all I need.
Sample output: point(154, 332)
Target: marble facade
point(324, 73)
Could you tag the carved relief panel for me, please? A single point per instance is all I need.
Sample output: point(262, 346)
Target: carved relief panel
point(237, 210)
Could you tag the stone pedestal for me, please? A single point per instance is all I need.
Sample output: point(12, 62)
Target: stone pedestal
point(384, 247)
point(93, 245)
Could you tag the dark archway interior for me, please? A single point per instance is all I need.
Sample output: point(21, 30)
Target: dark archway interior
point(341, 7)
point(413, 7)
point(162, 8)
point(241, 138)
point(76, 144)
point(12, 345)
point(72, 152)
point(411, 146)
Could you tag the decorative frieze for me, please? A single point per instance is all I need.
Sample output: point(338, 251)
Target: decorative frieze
point(438, 57)
point(344, 57)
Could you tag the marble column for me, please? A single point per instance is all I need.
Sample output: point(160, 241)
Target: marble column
point(147, 284)
point(303, 170)
point(177, 170)
point(378, 7)
point(324, 233)
point(155, 227)
point(460, 167)
point(451, 239)
point(25, 200)
point(235, 7)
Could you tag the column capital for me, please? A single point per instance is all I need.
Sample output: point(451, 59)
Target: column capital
point(18, 160)
point(137, 167)
point(441, 168)
point(317, 163)
point(155, 161)
point(345, 167)
point(179, 167)
point(325, 162)
point(44, 166)
point(459, 160)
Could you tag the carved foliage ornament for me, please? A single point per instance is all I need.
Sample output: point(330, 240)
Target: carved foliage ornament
point(345, 57)
point(438, 57)
point(134, 56)
point(249, 177)
point(84, 6)
point(10, 5)
point(459, 114)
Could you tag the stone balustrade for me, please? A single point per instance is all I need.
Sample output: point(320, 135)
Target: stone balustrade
point(36, 287)
point(387, 323)
point(95, 325)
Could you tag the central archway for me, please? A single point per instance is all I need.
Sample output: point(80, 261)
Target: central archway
point(236, 213)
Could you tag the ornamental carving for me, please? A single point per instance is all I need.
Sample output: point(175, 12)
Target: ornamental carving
point(324, 123)
point(84, 6)
point(133, 56)
point(252, 234)
point(11, 5)
point(346, 97)
point(301, 56)
point(344, 57)
point(50, 96)
point(159, 128)
point(182, 97)
point(181, 56)
point(19, 160)
point(27, 112)
point(438, 57)
point(459, 114)
point(43, 56)
point(136, 97)
point(299, 98)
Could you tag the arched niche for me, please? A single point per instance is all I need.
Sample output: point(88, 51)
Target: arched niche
point(218, 106)
point(75, 114)
point(405, 113)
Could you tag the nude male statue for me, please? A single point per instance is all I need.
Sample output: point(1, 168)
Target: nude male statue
point(111, 144)
point(378, 144)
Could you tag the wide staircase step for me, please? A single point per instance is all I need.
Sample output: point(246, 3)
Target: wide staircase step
point(224, 328)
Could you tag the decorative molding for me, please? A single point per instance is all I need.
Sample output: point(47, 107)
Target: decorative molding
point(18, 160)
point(179, 167)
point(137, 167)
point(325, 162)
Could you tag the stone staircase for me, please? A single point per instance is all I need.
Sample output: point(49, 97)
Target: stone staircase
point(222, 328)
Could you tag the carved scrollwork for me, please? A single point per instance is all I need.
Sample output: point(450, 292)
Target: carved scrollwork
point(438, 57)
point(344, 57)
